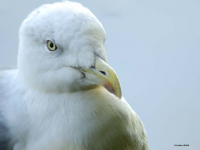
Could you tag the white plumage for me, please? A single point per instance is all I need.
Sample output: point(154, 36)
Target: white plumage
point(55, 100)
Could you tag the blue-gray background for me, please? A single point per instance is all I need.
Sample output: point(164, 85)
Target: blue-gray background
point(154, 46)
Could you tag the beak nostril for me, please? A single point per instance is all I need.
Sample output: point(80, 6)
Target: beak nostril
point(103, 72)
point(93, 67)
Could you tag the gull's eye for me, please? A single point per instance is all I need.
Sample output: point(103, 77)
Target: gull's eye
point(51, 45)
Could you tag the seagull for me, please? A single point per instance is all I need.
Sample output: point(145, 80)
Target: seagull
point(63, 94)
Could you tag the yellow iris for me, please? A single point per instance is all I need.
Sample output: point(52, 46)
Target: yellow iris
point(51, 45)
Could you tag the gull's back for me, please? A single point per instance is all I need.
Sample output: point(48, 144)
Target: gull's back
point(4, 131)
point(11, 109)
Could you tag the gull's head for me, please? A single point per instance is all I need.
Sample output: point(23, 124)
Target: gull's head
point(62, 49)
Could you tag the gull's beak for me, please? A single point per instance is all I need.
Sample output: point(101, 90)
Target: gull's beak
point(103, 75)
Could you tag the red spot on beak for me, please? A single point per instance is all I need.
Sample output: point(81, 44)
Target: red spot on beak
point(109, 88)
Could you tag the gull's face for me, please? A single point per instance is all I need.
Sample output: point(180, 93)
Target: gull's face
point(62, 49)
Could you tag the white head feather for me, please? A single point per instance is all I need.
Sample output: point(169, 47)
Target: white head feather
point(79, 36)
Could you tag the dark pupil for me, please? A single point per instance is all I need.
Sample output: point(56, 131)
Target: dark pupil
point(51, 45)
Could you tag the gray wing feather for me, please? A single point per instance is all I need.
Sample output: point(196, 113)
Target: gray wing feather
point(4, 137)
